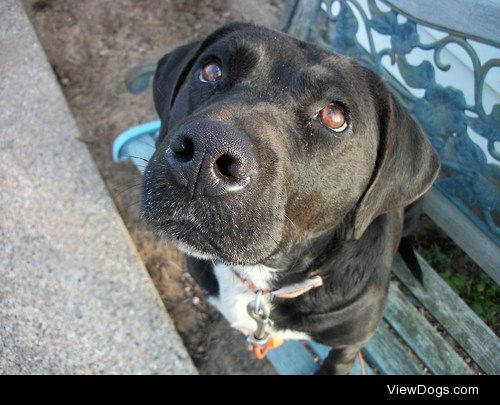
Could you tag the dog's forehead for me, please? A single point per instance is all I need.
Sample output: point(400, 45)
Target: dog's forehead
point(283, 61)
point(269, 45)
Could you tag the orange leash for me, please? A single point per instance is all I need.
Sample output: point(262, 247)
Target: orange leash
point(260, 351)
point(361, 363)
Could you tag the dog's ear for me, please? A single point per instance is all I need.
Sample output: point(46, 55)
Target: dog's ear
point(170, 73)
point(406, 167)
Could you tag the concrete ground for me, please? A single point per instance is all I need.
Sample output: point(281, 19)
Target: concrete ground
point(74, 295)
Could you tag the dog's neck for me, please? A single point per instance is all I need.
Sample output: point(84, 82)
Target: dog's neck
point(320, 256)
point(325, 256)
point(254, 278)
point(303, 259)
point(261, 277)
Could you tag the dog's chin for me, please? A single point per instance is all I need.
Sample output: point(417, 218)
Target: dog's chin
point(194, 242)
point(189, 239)
point(194, 252)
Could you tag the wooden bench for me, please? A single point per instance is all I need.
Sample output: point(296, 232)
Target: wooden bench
point(427, 328)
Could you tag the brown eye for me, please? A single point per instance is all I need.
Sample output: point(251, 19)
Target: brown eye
point(333, 117)
point(211, 72)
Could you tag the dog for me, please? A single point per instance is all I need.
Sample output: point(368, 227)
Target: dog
point(286, 172)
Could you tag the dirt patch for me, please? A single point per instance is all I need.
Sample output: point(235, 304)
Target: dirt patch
point(91, 44)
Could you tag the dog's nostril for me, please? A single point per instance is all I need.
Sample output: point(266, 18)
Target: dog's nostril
point(185, 150)
point(227, 166)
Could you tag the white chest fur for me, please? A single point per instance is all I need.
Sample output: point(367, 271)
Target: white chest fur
point(234, 297)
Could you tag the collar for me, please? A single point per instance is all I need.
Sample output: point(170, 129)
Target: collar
point(287, 292)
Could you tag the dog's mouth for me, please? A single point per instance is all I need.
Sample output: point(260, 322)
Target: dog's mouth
point(196, 240)
point(191, 238)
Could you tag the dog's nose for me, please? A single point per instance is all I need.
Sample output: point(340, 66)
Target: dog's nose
point(211, 159)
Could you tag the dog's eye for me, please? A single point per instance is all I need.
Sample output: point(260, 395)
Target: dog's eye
point(333, 117)
point(211, 72)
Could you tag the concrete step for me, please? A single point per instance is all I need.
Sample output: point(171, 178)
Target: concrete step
point(74, 295)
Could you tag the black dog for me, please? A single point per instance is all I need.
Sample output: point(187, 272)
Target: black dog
point(280, 164)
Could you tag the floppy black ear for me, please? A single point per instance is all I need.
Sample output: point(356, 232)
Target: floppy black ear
point(170, 74)
point(407, 164)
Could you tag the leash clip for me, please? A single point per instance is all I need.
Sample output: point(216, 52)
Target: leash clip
point(261, 341)
point(259, 311)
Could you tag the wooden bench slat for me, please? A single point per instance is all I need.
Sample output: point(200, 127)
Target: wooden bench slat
point(385, 352)
point(475, 337)
point(323, 350)
point(292, 358)
point(472, 240)
point(421, 337)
